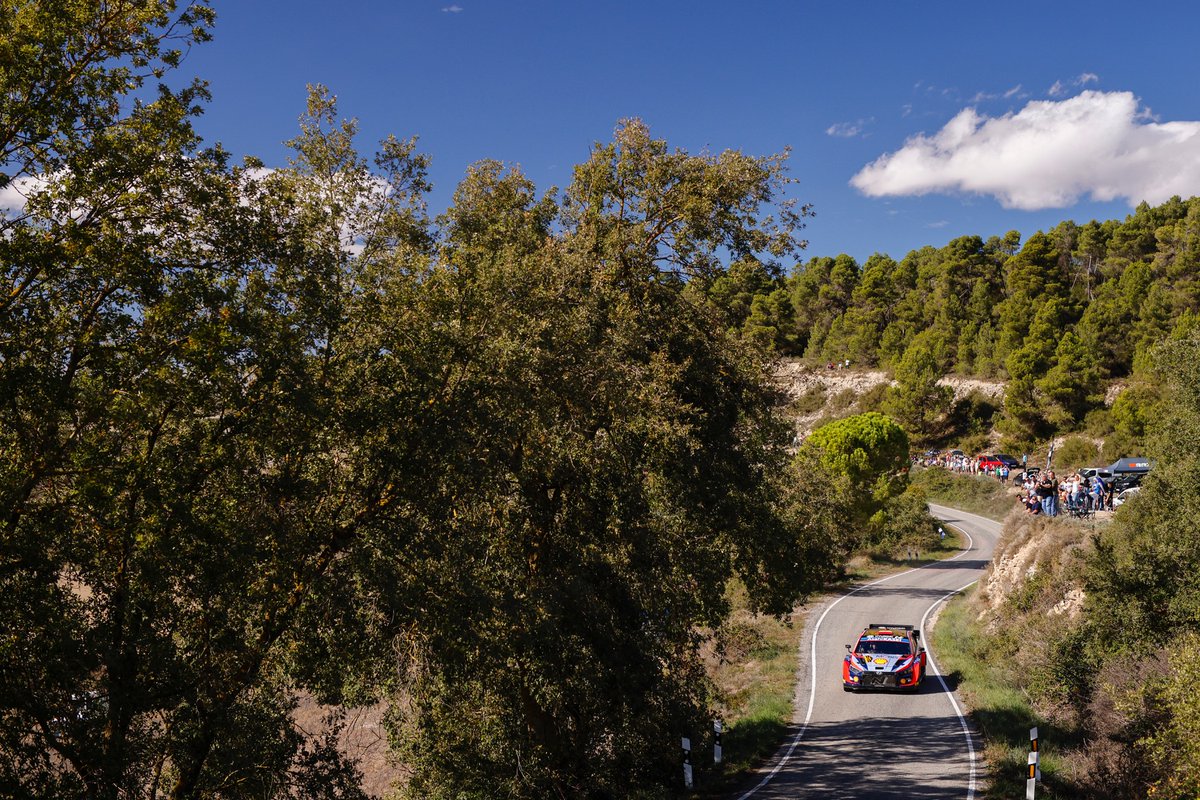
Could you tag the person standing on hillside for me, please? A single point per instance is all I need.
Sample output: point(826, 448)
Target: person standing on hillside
point(1099, 492)
point(1047, 489)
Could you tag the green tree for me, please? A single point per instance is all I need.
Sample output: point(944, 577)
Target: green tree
point(917, 401)
point(772, 321)
point(1140, 574)
point(1072, 384)
point(1024, 407)
point(613, 464)
point(735, 290)
point(1032, 278)
point(183, 469)
point(868, 456)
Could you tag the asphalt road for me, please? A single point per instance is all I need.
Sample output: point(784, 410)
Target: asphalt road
point(880, 745)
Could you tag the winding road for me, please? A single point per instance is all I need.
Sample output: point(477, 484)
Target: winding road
point(873, 744)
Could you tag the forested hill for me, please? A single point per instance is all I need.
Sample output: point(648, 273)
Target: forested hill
point(1055, 315)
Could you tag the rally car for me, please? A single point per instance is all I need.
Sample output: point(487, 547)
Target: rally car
point(884, 657)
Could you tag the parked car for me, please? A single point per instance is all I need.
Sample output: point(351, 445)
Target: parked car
point(989, 462)
point(1093, 472)
point(1007, 460)
point(1128, 480)
point(1126, 495)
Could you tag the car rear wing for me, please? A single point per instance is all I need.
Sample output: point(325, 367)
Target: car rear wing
point(906, 628)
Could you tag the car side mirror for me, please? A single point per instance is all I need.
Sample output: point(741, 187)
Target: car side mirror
point(847, 647)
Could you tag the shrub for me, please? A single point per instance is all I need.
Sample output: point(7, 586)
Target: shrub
point(1098, 423)
point(843, 400)
point(974, 413)
point(1076, 452)
point(974, 443)
point(872, 399)
point(810, 402)
point(1118, 445)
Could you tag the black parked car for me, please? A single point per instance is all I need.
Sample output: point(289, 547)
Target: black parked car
point(1007, 460)
point(1127, 480)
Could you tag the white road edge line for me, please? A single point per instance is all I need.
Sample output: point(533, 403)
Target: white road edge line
point(812, 686)
point(962, 720)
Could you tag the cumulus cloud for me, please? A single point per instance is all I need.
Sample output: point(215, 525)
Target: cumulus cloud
point(1047, 155)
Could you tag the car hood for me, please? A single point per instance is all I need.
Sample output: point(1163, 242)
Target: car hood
point(880, 662)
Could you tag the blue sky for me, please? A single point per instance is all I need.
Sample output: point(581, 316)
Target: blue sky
point(950, 118)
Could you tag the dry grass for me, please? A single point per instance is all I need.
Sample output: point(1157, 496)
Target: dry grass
point(751, 660)
point(363, 739)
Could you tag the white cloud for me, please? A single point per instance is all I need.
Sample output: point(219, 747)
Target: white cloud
point(941, 223)
point(843, 130)
point(16, 194)
point(454, 9)
point(848, 130)
point(1059, 88)
point(1047, 155)
point(1007, 94)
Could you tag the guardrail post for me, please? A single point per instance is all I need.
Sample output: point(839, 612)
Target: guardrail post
point(687, 762)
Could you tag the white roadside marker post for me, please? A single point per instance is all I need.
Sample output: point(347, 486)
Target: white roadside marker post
point(1037, 756)
point(687, 762)
point(718, 729)
point(1030, 777)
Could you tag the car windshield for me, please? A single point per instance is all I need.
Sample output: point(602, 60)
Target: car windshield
point(884, 647)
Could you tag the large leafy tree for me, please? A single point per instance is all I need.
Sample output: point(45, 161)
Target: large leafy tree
point(182, 470)
point(617, 463)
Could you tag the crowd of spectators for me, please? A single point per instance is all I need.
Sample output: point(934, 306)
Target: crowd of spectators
point(1040, 492)
point(1046, 493)
point(960, 462)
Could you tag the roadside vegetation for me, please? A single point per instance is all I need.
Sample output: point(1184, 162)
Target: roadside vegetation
point(979, 494)
point(1092, 632)
point(752, 657)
